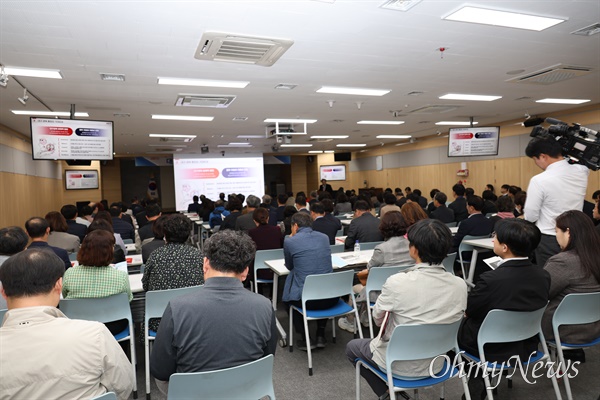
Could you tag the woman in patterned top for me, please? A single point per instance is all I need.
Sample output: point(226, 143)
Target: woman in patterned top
point(94, 277)
point(174, 265)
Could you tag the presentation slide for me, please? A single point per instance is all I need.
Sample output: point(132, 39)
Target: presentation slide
point(210, 176)
point(463, 142)
point(86, 179)
point(333, 172)
point(71, 139)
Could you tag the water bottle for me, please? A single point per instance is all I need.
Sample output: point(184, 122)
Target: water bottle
point(356, 249)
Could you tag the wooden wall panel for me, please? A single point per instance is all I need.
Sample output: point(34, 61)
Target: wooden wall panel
point(111, 181)
point(299, 182)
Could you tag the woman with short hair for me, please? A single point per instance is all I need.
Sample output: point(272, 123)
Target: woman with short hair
point(58, 233)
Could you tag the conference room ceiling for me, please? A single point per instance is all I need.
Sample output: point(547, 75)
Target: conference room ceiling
point(335, 43)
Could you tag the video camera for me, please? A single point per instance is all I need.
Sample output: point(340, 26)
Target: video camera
point(579, 144)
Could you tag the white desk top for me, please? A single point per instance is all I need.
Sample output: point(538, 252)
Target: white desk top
point(130, 247)
point(134, 260)
point(135, 282)
point(338, 260)
point(346, 221)
point(454, 229)
point(485, 243)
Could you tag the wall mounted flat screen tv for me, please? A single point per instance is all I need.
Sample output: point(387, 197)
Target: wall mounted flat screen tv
point(81, 179)
point(476, 141)
point(337, 157)
point(333, 172)
point(71, 139)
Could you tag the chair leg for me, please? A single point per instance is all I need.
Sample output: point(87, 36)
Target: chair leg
point(356, 319)
point(147, 366)
point(308, 350)
point(357, 372)
point(291, 331)
point(333, 329)
point(133, 357)
point(370, 318)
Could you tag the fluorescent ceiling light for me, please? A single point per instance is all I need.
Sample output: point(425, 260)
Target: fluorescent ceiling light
point(503, 18)
point(469, 97)
point(329, 151)
point(352, 145)
point(563, 101)
point(315, 152)
point(166, 135)
point(202, 82)
point(235, 145)
point(34, 72)
point(239, 144)
point(330, 137)
point(182, 117)
point(296, 145)
point(49, 113)
point(250, 136)
point(393, 137)
point(290, 121)
point(457, 123)
point(168, 145)
point(380, 122)
point(355, 91)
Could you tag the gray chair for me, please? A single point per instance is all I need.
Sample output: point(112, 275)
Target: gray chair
point(337, 248)
point(106, 396)
point(2, 312)
point(368, 245)
point(259, 263)
point(449, 262)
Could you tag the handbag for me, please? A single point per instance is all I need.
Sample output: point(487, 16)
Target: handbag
point(362, 276)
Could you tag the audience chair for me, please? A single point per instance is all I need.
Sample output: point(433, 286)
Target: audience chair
point(253, 380)
point(368, 245)
point(259, 263)
point(72, 257)
point(462, 247)
point(449, 262)
point(105, 309)
point(324, 286)
point(415, 342)
point(502, 326)
point(340, 232)
point(574, 309)
point(337, 248)
point(375, 280)
point(451, 224)
point(128, 241)
point(2, 312)
point(106, 396)
point(156, 302)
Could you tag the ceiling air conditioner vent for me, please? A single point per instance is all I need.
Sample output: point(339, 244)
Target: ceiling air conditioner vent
point(431, 109)
point(175, 139)
point(553, 74)
point(202, 100)
point(215, 46)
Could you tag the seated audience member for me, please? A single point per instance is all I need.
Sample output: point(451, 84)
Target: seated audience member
point(102, 224)
point(513, 190)
point(221, 326)
point(306, 252)
point(153, 212)
point(575, 269)
point(174, 265)
point(38, 230)
point(136, 207)
point(94, 277)
point(58, 233)
point(431, 205)
point(421, 200)
point(412, 212)
point(519, 200)
point(65, 359)
point(527, 284)
point(281, 199)
point(88, 212)
point(441, 212)
point(69, 211)
point(245, 222)
point(127, 231)
point(194, 207)
point(504, 189)
point(490, 187)
point(234, 205)
point(459, 205)
point(218, 214)
point(364, 227)
point(84, 216)
point(424, 294)
point(300, 204)
point(12, 241)
point(287, 221)
point(124, 215)
point(158, 241)
point(328, 225)
point(390, 204)
point(342, 205)
point(314, 197)
point(597, 214)
point(475, 225)
point(208, 207)
point(265, 237)
point(105, 216)
point(506, 208)
point(488, 203)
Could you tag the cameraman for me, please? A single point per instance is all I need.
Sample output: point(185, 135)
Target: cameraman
point(561, 187)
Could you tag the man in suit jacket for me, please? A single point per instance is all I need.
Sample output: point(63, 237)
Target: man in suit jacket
point(69, 211)
point(281, 200)
point(321, 223)
point(476, 225)
point(364, 227)
point(325, 187)
point(38, 230)
point(459, 205)
point(245, 222)
point(119, 226)
point(441, 212)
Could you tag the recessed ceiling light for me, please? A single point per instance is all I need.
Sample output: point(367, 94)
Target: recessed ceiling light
point(351, 145)
point(380, 122)
point(34, 72)
point(296, 145)
point(503, 18)
point(182, 117)
point(201, 82)
point(563, 101)
point(49, 113)
point(469, 97)
point(330, 137)
point(400, 5)
point(240, 119)
point(355, 91)
point(393, 137)
point(315, 151)
point(285, 86)
point(290, 121)
point(168, 145)
point(168, 135)
point(239, 144)
point(457, 123)
point(251, 136)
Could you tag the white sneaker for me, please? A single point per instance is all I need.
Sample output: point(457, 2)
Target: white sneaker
point(346, 325)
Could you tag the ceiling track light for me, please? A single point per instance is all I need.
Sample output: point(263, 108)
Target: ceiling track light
point(23, 100)
point(3, 77)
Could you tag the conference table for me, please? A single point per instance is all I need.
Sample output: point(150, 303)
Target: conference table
point(478, 245)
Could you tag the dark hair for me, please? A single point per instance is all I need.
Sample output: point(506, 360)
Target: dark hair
point(301, 219)
point(596, 195)
point(469, 191)
point(288, 211)
point(327, 205)
point(412, 196)
point(261, 215)
point(514, 190)
point(583, 240)
point(505, 186)
point(30, 273)
point(234, 204)
point(407, 189)
point(115, 211)
point(389, 198)
point(97, 249)
point(69, 211)
point(341, 198)
point(417, 192)
point(13, 239)
point(152, 210)
point(157, 227)
point(505, 204)
point(229, 251)
point(282, 198)
point(476, 202)
point(520, 199)
point(490, 187)
point(36, 226)
point(520, 236)
point(177, 228)
point(433, 192)
point(392, 224)
point(252, 201)
point(301, 200)
point(413, 212)
point(317, 208)
point(488, 195)
point(361, 205)
point(103, 215)
point(57, 222)
point(441, 198)
point(86, 210)
point(432, 239)
point(101, 224)
point(195, 199)
point(323, 196)
point(458, 189)
point(538, 146)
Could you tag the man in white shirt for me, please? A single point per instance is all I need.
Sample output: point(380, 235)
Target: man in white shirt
point(561, 187)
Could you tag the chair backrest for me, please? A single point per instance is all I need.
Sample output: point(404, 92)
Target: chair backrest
point(266, 255)
point(449, 262)
point(326, 286)
point(253, 380)
point(502, 326)
point(157, 300)
point(2, 312)
point(451, 224)
point(577, 308)
point(369, 245)
point(340, 232)
point(337, 248)
point(72, 256)
point(106, 396)
point(104, 309)
point(378, 275)
point(128, 241)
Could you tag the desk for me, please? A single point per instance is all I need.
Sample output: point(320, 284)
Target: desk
point(346, 222)
point(478, 244)
point(130, 247)
point(453, 230)
point(134, 260)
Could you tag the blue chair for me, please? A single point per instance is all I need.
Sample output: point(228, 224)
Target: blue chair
point(375, 280)
point(324, 286)
point(253, 380)
point(340, 232)
point(502, 326)
point(368, 245)
point(106, 396)
point(449, 262)
point(2, 312)
point(574, 309)
point(259, 263)
point(128, 241)
point(416, 342)
point(156, 302)
point(462, 247)
point(72, 256)
point(105, 309)
point(337, 248)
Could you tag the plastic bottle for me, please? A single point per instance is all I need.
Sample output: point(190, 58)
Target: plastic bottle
point(356, 249)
